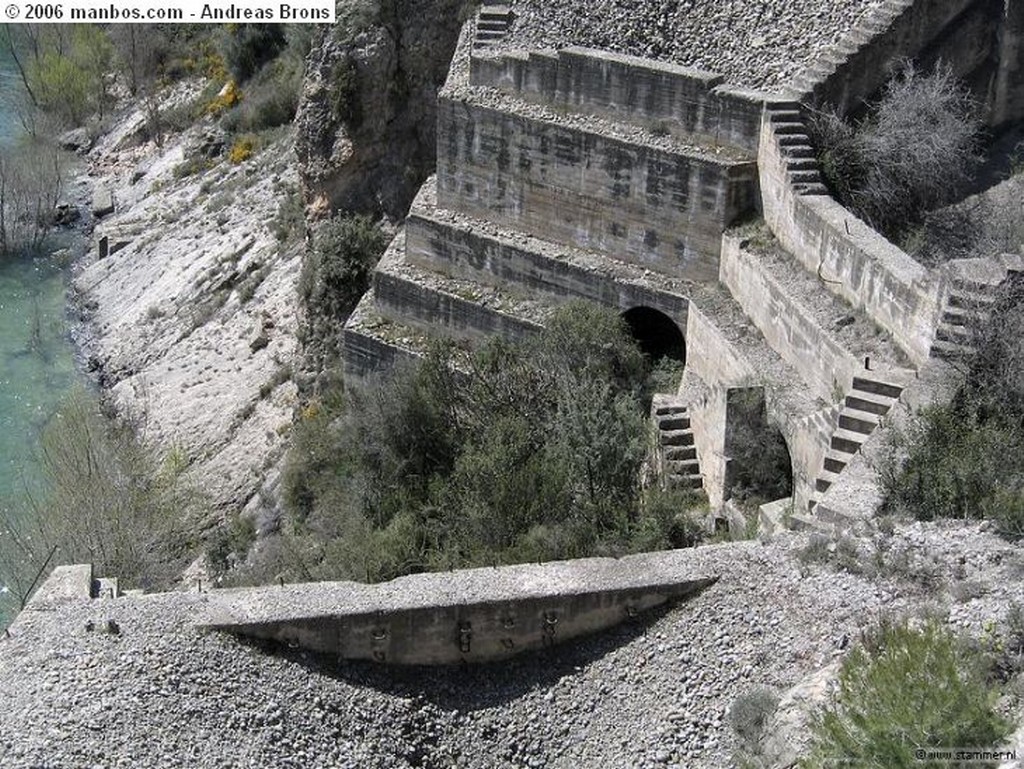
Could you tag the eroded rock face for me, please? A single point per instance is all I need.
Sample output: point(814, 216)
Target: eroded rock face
point(190, 316)
point(366, 126)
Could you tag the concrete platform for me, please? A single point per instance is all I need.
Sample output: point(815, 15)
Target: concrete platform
point(473, 615)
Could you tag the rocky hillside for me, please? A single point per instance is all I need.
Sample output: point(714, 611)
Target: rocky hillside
point(191, 316)
point(366, 128)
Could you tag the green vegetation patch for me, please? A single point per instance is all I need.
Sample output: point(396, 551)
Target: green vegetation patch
point(522, 451)
point(966, 459)
point(907, 689)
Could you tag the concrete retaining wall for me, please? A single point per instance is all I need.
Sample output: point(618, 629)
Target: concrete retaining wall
point(433, 311)
point(469, 254)
point(797, 337)
point(855, 262)
point(472, 615)
point(668, 97)
point(637, 203)
point(364, 355)
point(979, 39)
point(713, 366)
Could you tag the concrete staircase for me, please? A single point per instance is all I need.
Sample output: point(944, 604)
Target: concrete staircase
point(863, 409)
point(492, 25)
point(874, 23)
point(787, 124)
point(968, 305)
point(679, 464)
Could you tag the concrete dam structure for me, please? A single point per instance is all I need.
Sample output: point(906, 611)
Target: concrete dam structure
point(582, 174)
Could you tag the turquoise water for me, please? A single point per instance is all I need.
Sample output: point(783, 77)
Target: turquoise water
point(36, 359)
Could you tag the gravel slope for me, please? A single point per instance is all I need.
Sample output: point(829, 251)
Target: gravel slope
point(760, 45)
point(161, 694)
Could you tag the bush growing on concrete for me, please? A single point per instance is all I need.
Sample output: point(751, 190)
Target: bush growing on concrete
point(518, 452)
point(907, 688)
point(915, 151)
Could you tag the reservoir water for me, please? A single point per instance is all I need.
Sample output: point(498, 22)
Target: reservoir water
point(36, 358)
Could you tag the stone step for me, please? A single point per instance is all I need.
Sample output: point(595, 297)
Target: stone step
point(492, 25)
point(793, 140)
point(805, 177)
point(800, 151)
point(665, 409)
point(686, 481)
point(869, 402)
point(958, 316)
point(858, 421)
point(483, 35)
point(835, 461)
point(674, 422)
point(682, 467)
point(824, 481)
point(802, 164)
point(958, 334)
point(970, 300)
point(790, 129)
point(846, 441)
point(877, 387)
point(811, 189)
point(950, 351)
point(680, 453)
point(676, 438)
point(785, 116)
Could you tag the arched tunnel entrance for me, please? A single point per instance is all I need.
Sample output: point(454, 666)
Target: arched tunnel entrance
point(656, 333)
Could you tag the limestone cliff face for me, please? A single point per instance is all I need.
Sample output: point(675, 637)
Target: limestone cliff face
point(188, 302)
point(366, 127)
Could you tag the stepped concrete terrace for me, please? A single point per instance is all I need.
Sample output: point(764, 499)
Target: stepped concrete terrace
point(607, 185)
point(580, 173)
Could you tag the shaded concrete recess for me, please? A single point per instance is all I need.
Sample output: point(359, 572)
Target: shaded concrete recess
point(474, 615)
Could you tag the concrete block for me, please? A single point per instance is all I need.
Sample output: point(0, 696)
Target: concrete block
point(102, 201)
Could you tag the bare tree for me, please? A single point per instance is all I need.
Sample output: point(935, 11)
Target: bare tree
point(31, 184)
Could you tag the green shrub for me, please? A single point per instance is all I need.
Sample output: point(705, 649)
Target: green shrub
point(530, 450)
point(107, 499)
point(336, 271)
point(247, 47)
point(905, 689)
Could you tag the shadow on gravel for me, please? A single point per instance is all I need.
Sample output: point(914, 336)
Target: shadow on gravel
point(468, 688)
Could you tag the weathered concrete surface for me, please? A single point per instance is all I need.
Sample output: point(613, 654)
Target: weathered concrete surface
point(456, 245)
point(65, 584)
point(784, 302)
point(855, 262)
point(659, 207)
point(474, 615)
point(679, 100)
